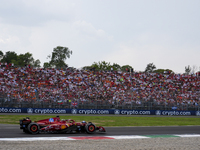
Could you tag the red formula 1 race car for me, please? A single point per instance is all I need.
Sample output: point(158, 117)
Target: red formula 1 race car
point(56, 125)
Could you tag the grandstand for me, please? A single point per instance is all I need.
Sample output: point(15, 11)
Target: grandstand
point(73, 88)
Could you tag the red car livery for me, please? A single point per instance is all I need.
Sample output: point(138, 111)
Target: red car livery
point(56, 125)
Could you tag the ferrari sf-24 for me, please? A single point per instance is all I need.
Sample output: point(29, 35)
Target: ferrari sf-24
point(57, 125)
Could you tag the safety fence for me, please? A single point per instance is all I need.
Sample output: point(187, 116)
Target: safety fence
point(95, 105)
point(4, 102)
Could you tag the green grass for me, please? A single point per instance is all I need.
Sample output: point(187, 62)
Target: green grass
point(112, 120)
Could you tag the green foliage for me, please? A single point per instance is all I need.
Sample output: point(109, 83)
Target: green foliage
point(167, 71)
point(188, 69)
point(46, 65)
point(28, 58)
point(150, 67)
point(60, 54)
point(25, 59)
point(106, 66)
point(58, 57)
point(1, 55)
point(126, 68)
point(102, 65)
point(19, 60)
point(10, 57)
point(116, 66)
point(36, 63)
point(86, 68)
point(98, 66)
point(95, 66)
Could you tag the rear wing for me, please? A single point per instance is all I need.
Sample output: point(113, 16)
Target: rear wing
point(24, 122)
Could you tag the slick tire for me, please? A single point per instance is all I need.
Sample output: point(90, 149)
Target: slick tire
point(33, 128)
point(90, 128)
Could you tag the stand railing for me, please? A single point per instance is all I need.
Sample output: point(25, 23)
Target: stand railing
point(4, 102)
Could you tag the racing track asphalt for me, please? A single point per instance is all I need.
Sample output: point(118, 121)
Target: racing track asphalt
point(13, 131)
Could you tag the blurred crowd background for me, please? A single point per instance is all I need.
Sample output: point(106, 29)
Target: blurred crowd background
point(90, 89)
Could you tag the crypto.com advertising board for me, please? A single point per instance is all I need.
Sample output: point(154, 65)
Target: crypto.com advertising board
point(98, 111)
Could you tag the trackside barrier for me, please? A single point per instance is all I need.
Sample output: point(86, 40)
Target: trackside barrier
point(98, 111)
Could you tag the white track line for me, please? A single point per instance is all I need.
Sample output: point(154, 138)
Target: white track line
point(188, 135)
point(86, 138)
point(36, 139)
point(129, 137)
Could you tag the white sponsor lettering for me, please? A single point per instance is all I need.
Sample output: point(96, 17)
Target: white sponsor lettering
point(135, 112)
point(93, 111)
point(10, 110)
point(50, 111)
point(176, 113)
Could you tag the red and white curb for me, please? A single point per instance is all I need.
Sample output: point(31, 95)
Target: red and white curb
point(96, 137)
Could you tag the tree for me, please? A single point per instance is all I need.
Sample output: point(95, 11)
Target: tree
point(150, 67)
point(25, 59)
point(106, 66)
point(101, 65)
point(94, 66)
point(188, 69)
point(20, 60)
point(46, 65)
point(28, 58)
point(36, 63)
point(59, 55)
point(167, 71)
point(126, 68)
point(9, 57)
point(194, 69)
point(86, 68)
point(116, 66)
point(1, 55)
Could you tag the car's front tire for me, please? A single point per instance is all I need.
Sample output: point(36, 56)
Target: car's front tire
point(90, 128)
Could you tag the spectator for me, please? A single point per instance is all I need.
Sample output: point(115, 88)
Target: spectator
point(116, 88)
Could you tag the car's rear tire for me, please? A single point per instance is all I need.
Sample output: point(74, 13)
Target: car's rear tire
point(33, 128)
point(90, 128)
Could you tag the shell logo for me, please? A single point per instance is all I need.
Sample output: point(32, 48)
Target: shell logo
point(63, 127)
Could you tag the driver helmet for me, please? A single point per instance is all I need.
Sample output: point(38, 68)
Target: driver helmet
point(83, 121)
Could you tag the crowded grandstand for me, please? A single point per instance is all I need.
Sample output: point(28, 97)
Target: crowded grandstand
point(78, 88)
